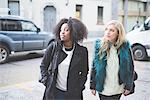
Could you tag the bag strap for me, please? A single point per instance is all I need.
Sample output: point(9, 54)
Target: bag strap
point(135, 75)
point(54, 45)
point(53, 48)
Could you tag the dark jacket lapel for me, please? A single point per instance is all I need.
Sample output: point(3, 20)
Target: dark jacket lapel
point(60, 55)
point(76, 57)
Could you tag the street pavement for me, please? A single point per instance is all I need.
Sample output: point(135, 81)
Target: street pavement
point(34, 90)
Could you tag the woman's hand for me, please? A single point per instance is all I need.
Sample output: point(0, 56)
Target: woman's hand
point(126, 92)
point(93, 92)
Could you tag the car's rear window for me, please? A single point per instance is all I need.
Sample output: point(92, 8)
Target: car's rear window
point(10, 25)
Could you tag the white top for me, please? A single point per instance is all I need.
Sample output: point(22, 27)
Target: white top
point(111, 85)
point(63, 71)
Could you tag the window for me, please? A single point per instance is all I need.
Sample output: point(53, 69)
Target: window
point(0, 25)
point(10, 25)
point(100, 15)
point(78, 11)
point(14, 7)
point(28, 26)
point(147, 26)
point(3, 25)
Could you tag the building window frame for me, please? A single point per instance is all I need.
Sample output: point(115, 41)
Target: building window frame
point(14, 7)
point(78, 13)
point(100, 14)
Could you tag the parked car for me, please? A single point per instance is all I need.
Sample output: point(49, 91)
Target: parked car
point(140, 41)
point(18, 34)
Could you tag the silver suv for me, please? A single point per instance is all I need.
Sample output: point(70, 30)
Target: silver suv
point(19, 34)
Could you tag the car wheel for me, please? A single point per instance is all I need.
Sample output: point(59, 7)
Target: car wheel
point(4, 54)
point(139, 52)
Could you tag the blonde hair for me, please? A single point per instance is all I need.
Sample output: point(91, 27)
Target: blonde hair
point(105, 44)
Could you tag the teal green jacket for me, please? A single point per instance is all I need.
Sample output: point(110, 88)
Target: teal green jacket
point(126, 68)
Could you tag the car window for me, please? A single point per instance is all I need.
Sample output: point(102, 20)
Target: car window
point(3, 25)
point(0, 25)
point(10, 25)
point(28, 26)
point(148, 25)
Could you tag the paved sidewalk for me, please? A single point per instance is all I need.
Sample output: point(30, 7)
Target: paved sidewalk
point(23, 91)
point(34, 91)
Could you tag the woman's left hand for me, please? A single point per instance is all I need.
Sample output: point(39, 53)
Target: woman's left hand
point(126, 92)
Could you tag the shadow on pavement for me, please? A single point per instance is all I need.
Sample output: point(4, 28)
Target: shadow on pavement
point(146, 60)
point(25, 56)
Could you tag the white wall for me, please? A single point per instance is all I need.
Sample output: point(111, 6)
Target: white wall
point(34, 10)
point(4, 7)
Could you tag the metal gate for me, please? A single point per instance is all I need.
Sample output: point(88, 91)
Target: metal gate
point(49, 18)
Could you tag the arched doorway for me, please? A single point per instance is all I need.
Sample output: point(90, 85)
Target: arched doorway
point(49, 18)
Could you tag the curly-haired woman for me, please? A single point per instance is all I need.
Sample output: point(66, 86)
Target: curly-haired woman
point(64, 67)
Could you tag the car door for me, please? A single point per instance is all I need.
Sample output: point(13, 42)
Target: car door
point(147, 33)
point(143, 35)
point(32, 40)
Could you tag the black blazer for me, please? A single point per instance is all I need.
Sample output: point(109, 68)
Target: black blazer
point(77, 74)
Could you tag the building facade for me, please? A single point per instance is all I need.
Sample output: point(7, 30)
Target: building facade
point(137, 10)
point(94, 13)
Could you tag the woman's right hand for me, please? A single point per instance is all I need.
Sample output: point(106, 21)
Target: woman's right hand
point(93, 92)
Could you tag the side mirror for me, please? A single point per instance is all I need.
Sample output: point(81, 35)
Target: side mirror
point(146, 26)
point(38, 29)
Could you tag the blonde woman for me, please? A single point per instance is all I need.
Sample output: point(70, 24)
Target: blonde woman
point(112, 69)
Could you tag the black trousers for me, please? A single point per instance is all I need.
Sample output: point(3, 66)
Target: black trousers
point(113, 97)
point(65, 95)
point(60, 95)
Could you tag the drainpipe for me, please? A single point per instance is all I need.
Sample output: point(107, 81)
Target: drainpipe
point(114, 6)
point(147, 5)
point(125, 14)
